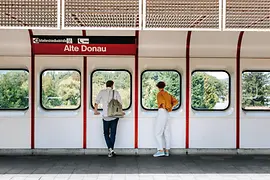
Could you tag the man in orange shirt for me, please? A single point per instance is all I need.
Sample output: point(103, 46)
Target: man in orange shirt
point(166, 102)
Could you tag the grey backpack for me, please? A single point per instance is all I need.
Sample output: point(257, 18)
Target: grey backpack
point(114, 108)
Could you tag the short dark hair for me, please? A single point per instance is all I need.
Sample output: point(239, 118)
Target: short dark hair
point(109, 83)
point(161, 84)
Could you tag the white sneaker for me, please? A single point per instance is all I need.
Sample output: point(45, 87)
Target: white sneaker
point(159, 154)
point(110, 154)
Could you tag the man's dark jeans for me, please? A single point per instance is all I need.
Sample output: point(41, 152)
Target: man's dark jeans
point(109, 129)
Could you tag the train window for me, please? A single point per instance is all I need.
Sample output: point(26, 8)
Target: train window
point(122, 83)
point(14, 89)
point(149, 79)
point(61, 89)
point(210, 90)
point(256, 90)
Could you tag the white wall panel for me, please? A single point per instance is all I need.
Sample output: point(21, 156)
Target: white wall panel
point(214, 129)
point(57, 129)
point(162, 44)
point(15, 126)
point(213, 44)
point(254, 126)
point(255, 45)
point(15, 43)
point(125, 130)
point(147, 118)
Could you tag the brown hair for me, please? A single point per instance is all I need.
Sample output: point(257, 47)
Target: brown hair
point(109, 83)
point(161, 84)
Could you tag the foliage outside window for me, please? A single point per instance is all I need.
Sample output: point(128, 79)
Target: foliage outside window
point(210, 90)
point(14, 89)
point(256, 90)
point(149, 89)
point(122, 83)
point(61, 89)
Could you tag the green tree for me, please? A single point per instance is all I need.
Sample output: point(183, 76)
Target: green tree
point(14, 90)
point(61, 89)
point(197, 86)
point(256, 89)
point(210, 92)
point(207, 90)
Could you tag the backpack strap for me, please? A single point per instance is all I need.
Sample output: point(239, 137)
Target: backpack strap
point(109, 96)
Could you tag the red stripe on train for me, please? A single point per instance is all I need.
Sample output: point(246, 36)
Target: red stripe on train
point(238, 56)
point(187, 86)
point(85, 75)
point(136, 107)
point(32, 70)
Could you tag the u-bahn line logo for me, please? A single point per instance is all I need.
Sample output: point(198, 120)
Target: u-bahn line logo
point(83, 40)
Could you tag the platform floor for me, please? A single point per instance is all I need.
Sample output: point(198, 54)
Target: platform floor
point(175, 167)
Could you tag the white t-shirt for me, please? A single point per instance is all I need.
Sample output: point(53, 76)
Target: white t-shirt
point(104, 97)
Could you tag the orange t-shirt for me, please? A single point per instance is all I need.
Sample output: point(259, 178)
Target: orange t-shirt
point(166, 101)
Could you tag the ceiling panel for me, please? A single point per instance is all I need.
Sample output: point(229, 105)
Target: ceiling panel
point(182, 14)
point(247, 15)
point(34, 14)
point(101, 14)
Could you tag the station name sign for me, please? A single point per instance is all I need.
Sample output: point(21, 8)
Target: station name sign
point(84, 45)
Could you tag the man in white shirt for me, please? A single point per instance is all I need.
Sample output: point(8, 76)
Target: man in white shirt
point(109, 123)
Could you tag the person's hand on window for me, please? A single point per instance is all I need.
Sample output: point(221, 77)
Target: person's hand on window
point(96, 110)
